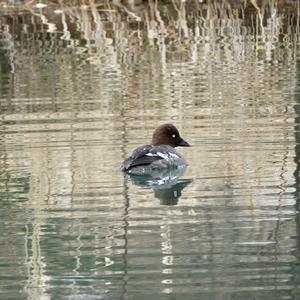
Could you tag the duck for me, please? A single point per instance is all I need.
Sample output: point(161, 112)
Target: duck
point(160, 155)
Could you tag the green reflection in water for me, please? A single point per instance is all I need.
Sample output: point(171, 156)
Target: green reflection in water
point(83, 86)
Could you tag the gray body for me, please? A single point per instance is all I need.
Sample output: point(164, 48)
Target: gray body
point(148, 159)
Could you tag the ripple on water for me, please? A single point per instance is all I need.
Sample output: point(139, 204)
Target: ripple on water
point(73, 227)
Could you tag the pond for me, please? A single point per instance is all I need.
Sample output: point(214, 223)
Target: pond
point(83, 86)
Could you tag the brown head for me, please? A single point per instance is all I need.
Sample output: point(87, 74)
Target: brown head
point(167, 134)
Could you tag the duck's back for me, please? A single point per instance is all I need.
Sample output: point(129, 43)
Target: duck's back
point(137, 158)
point(147, 158)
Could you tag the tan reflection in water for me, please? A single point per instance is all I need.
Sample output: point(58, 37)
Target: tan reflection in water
point(73, 112)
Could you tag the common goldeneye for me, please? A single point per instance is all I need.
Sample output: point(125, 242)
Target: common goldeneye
point(160, 155)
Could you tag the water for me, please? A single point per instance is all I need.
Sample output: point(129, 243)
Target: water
point(74, 106)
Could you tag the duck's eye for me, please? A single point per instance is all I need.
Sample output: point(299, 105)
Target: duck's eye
point(173, 135)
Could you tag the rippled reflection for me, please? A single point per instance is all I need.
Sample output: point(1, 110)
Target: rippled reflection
point(81, 86)
point(166, 184)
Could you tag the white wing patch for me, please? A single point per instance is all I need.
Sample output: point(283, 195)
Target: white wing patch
point(165, 156)
point(150, 154)
point(174, 155)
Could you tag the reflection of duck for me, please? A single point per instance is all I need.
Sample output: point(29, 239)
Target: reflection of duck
point(170, 196)
point(158, 156)
point(164, 184)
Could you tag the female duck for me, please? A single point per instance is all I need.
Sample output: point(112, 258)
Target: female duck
point(160, 155)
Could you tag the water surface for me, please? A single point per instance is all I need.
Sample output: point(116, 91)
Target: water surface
point(74, 106)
